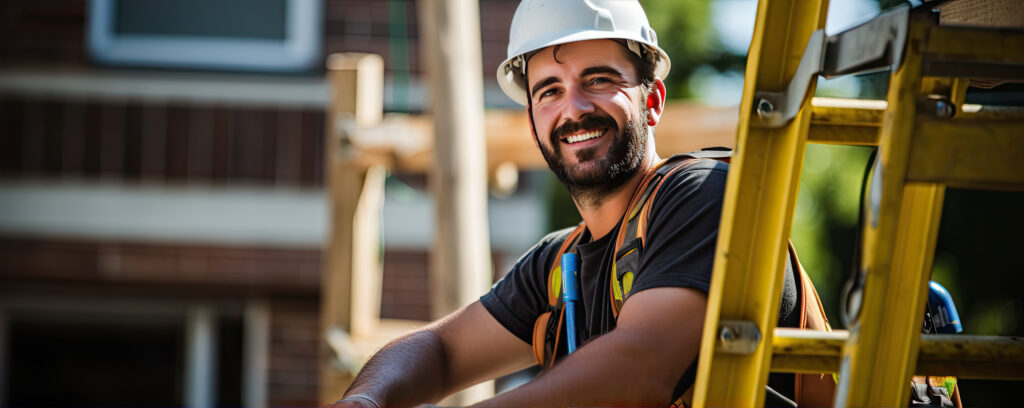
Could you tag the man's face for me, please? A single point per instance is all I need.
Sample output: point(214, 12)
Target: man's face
point(589, 112)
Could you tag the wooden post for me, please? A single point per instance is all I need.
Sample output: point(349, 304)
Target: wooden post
point(351, 284)
point(461, 258)
point(461, 264)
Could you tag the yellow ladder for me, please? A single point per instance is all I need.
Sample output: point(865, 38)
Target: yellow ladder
point(927, 138)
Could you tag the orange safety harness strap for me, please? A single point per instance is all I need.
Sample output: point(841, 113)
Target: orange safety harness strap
point(809, 388)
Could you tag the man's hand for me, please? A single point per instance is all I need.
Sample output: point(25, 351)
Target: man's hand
point(346, 403)
point(356, 401)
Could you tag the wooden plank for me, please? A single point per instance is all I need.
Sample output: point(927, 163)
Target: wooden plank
point(350, 289)
point(461, 266)
point(408, 140)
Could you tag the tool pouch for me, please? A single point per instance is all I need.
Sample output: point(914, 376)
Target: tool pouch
point(924, 395)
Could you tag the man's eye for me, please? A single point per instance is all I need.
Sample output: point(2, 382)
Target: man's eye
point(599, 80)
point(548, 92)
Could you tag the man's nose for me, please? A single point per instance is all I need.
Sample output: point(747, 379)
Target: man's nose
point(577, 104)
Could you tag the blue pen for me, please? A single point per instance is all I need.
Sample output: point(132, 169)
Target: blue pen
point(570, 294)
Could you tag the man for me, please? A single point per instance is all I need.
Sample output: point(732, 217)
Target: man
point(589, 73)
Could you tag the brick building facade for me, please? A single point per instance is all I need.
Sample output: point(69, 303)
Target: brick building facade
point(71, 130)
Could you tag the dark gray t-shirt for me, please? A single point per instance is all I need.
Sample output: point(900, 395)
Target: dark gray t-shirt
point(679, 249)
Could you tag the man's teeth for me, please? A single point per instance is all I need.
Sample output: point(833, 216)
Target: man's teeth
point(584, 136)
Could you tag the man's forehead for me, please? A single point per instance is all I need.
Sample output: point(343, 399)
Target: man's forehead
point(579, 55)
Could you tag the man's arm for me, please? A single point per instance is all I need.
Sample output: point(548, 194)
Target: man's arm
point(636, 364)
point(460, 350)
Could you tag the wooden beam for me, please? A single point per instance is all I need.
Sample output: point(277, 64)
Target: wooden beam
point(350, 288)
point(461, 257)
point(407, 144)
point(686, 127)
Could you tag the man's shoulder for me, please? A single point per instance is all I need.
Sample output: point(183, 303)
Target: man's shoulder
point(556, 237)
point(703, 164)
point(696, 175)
point(699, 184)
point(682, 226)
point(552, 241)
point(545, 249)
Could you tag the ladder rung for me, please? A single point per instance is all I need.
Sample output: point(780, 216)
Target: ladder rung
point(958, 51)
point(968, 153)
point(845, 121)
point(965, 356)
point(805, 351)
point(855, 122)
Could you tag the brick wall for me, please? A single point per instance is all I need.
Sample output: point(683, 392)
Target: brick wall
point(293, 365)
point(175, 143)
point(289, 277)
point(210, 268)
point(53, 31)
point(364, 26)
point(404, 284)
point(245, 269)
point(52, 136)
point(50, 31)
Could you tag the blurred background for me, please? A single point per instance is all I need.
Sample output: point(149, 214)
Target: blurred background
point(163, 213)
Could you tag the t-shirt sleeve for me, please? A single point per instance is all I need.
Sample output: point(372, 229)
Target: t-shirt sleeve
point(679, 249)
point(521, 295)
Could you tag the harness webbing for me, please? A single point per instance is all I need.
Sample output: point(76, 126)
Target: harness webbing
point(626, 261)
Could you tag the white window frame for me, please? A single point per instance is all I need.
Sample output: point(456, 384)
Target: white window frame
point(299, 51)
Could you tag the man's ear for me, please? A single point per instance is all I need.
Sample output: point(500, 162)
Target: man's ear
point(655, 102)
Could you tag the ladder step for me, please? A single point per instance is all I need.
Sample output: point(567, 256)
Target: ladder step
point(965, 356)
point(856, 122)
point(979, 52)
point(982, 154)
point(851, 122)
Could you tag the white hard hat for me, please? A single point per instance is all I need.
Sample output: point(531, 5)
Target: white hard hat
point(538, 24)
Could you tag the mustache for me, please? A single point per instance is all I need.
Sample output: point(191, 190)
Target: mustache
point(587, 123)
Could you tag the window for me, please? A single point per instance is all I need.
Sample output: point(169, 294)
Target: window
point(129, 354)
point(255, 35)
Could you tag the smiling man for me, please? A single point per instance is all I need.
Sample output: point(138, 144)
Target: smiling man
point(589, 73)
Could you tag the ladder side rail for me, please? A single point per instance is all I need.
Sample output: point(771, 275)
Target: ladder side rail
point(901, 226)
point(757, 212)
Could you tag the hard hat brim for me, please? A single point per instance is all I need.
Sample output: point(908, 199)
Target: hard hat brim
point(511, 82)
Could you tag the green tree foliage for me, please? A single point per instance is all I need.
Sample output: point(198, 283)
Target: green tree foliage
point(686, 34)
point(825, 222)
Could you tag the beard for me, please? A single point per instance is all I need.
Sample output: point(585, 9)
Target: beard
point(607, 174)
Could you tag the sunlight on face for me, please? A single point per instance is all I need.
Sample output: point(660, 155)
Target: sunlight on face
point(587, 110)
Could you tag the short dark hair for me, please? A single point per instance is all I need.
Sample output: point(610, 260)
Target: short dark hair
point(644, 66)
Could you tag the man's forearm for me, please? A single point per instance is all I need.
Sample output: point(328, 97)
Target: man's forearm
point(636, 364)
point(612, 370)
point(406, 372)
